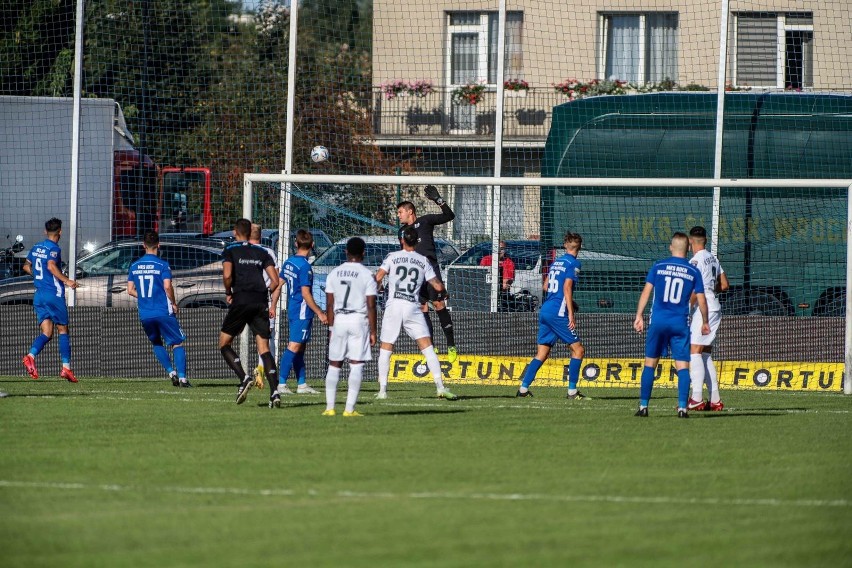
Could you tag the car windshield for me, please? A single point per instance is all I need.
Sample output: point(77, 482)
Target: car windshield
point(525, 255)
point(115, 260)
point(374, 254)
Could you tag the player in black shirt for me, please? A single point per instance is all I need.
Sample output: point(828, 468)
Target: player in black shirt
point(243, 266)
point(425, 227)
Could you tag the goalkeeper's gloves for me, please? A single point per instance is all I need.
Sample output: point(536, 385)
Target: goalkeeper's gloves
point(431, 192)
point(258, 380)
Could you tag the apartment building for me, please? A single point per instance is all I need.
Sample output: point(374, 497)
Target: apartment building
point(448, 44)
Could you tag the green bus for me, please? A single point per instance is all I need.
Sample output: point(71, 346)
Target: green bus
point(784, 249)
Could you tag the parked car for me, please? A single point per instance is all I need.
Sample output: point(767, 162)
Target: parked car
point(269, 238)
point(375, 252)
point(756, 301)
point(831, 303)
point(608, 282)
point(102, 276)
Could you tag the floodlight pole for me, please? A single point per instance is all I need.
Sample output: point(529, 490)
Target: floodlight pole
point(498, 157)
point(720, 126)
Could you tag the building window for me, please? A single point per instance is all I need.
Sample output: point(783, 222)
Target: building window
point(773, 50)
point(472, 47)
point(639, 48)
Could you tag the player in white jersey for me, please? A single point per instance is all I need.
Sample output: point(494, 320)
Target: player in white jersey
point(254, 238)
point(350, 291)
point(701, 367)
point(407, 271)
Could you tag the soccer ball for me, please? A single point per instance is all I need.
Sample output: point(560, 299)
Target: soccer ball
point(319, 154)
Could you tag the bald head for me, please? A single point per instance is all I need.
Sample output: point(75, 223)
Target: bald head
point(680, 244)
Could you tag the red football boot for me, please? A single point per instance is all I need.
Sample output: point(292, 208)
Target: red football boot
point(68, 375)
point(715, 406)
point(696, 405)
point(29, 364)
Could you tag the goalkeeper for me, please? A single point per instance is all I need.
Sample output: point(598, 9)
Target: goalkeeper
point(425, 227)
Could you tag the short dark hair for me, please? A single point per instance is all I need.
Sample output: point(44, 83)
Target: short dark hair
point(52, 225)
point(406, 205)
point(152, 239)
point(698, 231)
point(355, 247)
point(243, 227)
point(409, 236)
point(572, 238)
point(304, 239)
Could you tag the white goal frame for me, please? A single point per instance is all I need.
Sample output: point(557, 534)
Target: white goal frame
point(249, 179)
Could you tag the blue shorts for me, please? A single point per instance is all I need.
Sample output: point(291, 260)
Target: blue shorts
point(50, 308)
point(551, 327)
point(163, 330)
point(661, 336)
point(300, 330)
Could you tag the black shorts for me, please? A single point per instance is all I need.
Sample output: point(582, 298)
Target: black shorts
point(256, 316)
point(427, 292)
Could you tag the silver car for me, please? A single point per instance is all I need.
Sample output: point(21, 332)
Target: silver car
point(102, 276)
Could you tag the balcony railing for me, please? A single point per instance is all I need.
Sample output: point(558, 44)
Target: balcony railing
point(526, 114)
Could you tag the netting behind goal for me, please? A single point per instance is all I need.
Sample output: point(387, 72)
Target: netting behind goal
point(783, 250)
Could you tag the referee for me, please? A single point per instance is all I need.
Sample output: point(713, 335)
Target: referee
point(243, 267)
point(425, 227)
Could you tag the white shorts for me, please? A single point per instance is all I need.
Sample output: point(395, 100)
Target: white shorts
point(403, 315)
point(695, 328)
point(349, 340)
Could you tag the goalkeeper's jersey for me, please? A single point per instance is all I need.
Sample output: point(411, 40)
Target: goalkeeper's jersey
point(425, 227)
point(407, 271)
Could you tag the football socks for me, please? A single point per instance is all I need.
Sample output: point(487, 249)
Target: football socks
point(696, 375)
point(39, 344)
point(286, 364)
point(233, 361)
point(531, 372)
point(446, 321)
point(356, 372)
point(332, 377)
point(573, 374)
point(163, 357)
point(434, 366)
point(711, 378)
point(180, 360)
point(647, 384)
point(65, 349)
point(384, 369)
point(271, 372)
point(299, 368)
point(683, 381)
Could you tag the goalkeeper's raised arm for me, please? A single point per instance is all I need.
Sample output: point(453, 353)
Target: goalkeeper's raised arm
point(425, 224)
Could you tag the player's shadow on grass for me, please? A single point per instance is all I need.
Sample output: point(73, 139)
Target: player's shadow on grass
point(421, 412)
point(287, 404)
point(216, 385)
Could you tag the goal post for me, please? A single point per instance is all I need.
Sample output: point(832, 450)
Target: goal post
point(783, 243)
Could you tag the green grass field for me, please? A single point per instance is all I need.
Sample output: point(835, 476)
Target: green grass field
point(136, 473)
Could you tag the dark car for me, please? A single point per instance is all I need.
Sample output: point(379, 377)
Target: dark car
point(756, 301)
point(269, 238)
point(102, 276)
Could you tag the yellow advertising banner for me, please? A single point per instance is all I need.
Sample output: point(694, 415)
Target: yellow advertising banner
point(507, 371)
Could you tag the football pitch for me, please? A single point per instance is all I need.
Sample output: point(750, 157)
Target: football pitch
point(112, 472)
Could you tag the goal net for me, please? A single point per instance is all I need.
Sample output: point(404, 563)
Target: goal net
point(781, 243)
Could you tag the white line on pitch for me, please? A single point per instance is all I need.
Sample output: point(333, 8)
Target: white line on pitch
point(473, 496)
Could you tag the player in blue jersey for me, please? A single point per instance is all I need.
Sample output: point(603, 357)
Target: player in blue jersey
point(150, 281)
point(673, 282)
point(557, 318)
point(44, 264)
point(298, 276)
